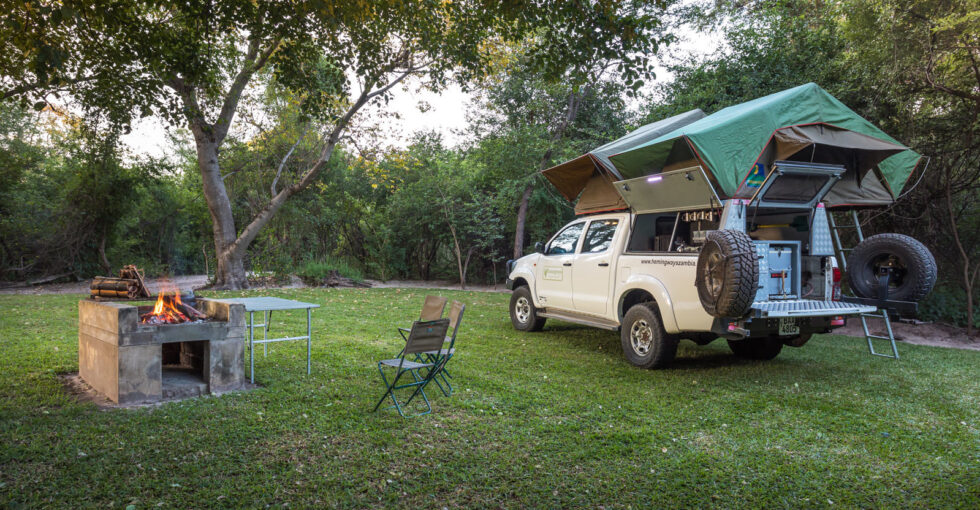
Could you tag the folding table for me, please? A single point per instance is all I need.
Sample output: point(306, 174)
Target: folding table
point(267, 305)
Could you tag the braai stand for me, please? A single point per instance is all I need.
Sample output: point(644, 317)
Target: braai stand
point(267, 305)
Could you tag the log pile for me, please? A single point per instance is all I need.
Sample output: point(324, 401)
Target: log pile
point(129, 285)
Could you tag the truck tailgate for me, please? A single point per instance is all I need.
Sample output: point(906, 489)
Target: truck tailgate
point(807, 308)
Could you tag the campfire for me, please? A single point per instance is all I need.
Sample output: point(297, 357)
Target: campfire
point(170, 310)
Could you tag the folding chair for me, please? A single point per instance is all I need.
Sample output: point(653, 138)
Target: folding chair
point(455, 316)
point(424, 336)
point(432, 309)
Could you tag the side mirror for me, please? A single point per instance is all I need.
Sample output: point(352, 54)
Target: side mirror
point(539, 247)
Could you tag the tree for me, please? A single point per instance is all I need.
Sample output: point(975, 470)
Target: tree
point(192, 62)
point(528, 122)
point(925, 57)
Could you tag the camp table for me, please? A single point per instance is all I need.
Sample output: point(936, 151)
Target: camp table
point(267, 305)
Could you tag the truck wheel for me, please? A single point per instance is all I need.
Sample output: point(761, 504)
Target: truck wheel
point(913, 267)
point(727, 273)
point(523, 314)
point(798, 340)
point(756, 348)
point(645, 343)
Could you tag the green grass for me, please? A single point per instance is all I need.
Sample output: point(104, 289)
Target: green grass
point(551, 419)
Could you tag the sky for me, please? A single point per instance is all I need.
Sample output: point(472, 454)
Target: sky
point(445, 112)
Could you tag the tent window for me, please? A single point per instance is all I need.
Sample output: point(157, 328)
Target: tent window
point(795, 188)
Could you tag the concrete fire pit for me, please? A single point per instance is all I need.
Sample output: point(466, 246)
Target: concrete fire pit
point(131, 362)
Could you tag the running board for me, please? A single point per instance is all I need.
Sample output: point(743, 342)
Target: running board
point(807, 308)
point(595, 322)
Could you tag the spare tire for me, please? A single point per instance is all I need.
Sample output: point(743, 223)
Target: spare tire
point(727, 273)
point(913, 267)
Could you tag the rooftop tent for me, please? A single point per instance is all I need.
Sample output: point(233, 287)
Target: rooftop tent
point(589, 177)
point(738, 144)
point(643, 135)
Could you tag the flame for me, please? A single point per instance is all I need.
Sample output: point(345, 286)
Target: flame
point(167, 308)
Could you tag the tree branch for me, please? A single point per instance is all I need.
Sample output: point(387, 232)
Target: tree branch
point(286, 158)
point(254, 61)
point(29, 87)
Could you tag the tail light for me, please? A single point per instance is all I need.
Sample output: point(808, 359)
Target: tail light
point(835, 289)
point(837, 321)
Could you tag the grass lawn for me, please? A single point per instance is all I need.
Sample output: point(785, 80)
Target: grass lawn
point(550, 419)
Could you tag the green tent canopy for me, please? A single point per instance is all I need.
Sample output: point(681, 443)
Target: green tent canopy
point(738, 144)
point(589, 177)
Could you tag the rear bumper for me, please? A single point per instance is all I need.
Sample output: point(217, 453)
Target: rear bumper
point(807, 308)
point(510, 284)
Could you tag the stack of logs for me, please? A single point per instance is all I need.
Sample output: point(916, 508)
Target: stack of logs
point(129, 285)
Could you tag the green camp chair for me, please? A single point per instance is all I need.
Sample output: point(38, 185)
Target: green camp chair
point(425, 336)
point(443, 355)
point(432, 309)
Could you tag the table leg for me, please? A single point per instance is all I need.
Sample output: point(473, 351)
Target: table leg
point(251, 345)
point(265, 333)
point(309, 338)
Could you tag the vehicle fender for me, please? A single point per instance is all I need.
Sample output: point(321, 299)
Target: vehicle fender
point(523, 270)
point(656, 289)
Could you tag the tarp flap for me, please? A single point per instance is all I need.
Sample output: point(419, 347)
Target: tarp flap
point(571, 177)
point(730, 141)
point(866, 151)
point(599, 195)
point(850, 192)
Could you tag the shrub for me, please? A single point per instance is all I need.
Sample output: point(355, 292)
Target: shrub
point(313, 272)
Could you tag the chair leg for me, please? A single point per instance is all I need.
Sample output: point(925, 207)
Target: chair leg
point(401, 407)
point(442, 375)
point(390, 389)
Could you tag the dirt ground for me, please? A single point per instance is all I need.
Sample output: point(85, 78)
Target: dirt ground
point(939, 335)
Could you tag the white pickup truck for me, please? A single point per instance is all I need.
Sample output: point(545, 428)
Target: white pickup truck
point(760, 273)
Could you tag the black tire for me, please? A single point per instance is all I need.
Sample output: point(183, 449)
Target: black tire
point(914, 271)
point(727, 273)
point(798, 340)
point(523, 314)
point(645, 343)
point(762, 349)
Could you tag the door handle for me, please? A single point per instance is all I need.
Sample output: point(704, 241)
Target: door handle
point(603, 264)
point(566, 263)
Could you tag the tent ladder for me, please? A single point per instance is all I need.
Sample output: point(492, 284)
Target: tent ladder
point(842, 260)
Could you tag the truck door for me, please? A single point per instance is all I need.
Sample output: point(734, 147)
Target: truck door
point(554, 278)
point(592, 268)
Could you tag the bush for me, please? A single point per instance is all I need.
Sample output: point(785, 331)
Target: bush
point(313, 272)
point(946, 304)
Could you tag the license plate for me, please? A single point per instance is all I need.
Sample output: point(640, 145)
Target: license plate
point(788, 327)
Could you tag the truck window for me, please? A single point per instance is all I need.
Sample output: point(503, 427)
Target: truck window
point(599, 236)
point(651, 232)
point(566, 240)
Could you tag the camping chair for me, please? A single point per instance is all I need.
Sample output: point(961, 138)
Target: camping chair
point(432, 309)
point(425, 336)
point(442, 356)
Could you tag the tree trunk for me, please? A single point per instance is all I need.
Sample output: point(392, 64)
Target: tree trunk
point(522, 220)
point(103, 261)
point(230, 271)
point(964, 256)
point(571, 113)
point(466, 266)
